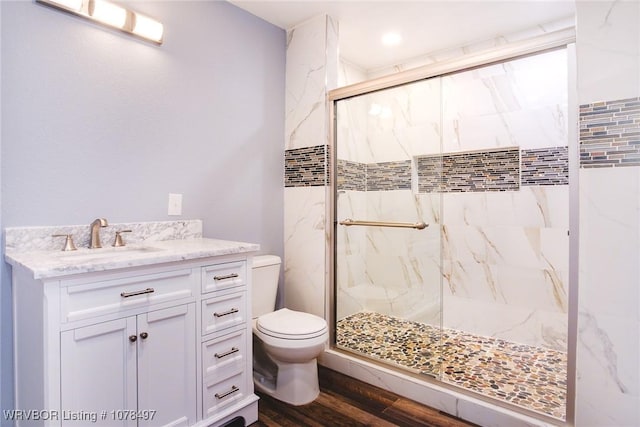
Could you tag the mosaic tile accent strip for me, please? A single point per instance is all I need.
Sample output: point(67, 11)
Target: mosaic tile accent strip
point(530, 377)
point(545, 166)
point(389, 176)
point(496, 170)
point(610, 133)
point(305, 167)
point(430, 178)
point(382, 176)
point(351, 175)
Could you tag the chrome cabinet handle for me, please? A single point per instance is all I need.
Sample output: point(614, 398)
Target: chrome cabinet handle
point(134, 293)
point(227, 353)
point(223, 395)
point(226, 313)
point(225, 277)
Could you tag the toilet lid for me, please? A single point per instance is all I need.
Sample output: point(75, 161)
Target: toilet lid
point(290, 324)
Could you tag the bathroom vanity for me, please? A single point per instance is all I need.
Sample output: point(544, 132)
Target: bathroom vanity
point(156, 334)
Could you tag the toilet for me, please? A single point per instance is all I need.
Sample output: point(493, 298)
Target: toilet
point(286, 343)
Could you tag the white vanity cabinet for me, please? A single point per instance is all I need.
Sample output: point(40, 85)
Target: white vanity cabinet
point(226, 324)
point(142, 368)
point(166, 344)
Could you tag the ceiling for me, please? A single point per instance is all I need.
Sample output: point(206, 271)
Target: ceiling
point(426, 26)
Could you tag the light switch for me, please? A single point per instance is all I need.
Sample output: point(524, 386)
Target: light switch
point(175, 204)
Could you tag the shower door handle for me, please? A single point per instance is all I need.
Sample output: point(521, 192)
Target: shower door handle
point(417, 225)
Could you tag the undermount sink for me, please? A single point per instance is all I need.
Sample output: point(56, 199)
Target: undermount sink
point(101, 253)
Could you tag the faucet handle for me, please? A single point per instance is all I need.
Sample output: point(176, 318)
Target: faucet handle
point(118, 241)
point(68, 243)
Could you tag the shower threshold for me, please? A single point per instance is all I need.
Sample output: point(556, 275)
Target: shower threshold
point(530, 377)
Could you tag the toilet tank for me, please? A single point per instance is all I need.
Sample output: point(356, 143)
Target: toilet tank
point(265, 275)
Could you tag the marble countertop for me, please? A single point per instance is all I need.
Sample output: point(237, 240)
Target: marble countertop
point(51, 264)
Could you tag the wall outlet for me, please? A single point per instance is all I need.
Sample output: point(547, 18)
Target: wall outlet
point(175, 204)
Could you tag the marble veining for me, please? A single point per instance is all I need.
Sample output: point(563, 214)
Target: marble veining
point(600, 346)
point(149, 243)
point(48, 264)
point(307, 73)
point(23, 239)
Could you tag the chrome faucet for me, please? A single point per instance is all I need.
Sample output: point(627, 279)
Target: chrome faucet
point(94, 241)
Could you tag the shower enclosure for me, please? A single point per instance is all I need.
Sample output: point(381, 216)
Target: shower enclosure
point(451, 228)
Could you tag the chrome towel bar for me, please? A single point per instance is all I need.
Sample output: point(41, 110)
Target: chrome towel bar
point(417, 225)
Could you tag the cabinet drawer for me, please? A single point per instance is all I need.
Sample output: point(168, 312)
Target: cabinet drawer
point(224, 276)
point(219, 394)
point(225, 356)
point(110, 296)
point(223, 312)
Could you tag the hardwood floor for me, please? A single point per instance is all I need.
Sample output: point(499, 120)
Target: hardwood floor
point(345, 401)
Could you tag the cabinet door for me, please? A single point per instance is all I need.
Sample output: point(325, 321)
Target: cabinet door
point(167, 366)
point(98, 373)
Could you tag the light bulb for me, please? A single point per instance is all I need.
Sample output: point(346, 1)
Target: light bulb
point(74, 5)
point(109, 13)
point(391, 39)
point(147, 28)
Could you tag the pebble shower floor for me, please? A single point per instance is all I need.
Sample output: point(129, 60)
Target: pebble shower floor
point(531, 377)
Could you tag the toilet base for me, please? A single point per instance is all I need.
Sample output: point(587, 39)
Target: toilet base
point(295, 383)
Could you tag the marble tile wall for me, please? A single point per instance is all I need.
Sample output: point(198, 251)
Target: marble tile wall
point(521, 103)
point(394, 271)
point(311, 71)
point(608, 343)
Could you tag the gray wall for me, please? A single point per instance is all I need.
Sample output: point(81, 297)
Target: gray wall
point(97, 123)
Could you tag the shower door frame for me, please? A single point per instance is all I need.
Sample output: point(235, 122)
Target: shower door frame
point(564, 38)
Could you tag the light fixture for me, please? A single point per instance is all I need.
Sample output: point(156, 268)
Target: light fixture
point(112, 15)
point(391, 39)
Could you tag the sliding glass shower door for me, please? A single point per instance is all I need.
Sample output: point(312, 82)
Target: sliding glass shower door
point(451, 232)
point(388, 249)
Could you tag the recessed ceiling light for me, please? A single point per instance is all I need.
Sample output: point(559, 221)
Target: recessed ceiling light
point(391, 39)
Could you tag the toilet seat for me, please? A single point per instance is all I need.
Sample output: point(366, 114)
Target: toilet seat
point(291, 325)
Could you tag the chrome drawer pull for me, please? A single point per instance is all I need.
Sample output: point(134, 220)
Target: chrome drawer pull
point(228, 353)
point(228, 276)
point(223, 395)
point(232, 311)
point(131, 294)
